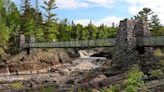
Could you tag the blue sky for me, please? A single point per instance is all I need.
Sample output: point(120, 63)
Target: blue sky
point(103, 11)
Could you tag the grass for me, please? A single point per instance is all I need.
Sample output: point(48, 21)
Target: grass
point(48, 89)
point(17, 85)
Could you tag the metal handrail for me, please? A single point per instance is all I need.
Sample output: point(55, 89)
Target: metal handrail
point(109, 42)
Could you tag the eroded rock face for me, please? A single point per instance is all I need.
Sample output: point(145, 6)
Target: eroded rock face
point(38, 62)
point(126, 51)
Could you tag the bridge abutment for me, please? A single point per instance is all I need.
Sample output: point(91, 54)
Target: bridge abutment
point(22, 43)
point(126, 52)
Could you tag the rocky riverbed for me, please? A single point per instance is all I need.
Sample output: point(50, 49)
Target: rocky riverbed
point(62, 70)
point(47, 68)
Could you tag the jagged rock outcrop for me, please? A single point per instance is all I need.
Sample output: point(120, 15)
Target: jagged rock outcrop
point(38, 62)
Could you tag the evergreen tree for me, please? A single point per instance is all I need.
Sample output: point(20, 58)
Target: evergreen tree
point(92, 30)
point(144, 13)
point(50, 27)
point(4, 32)
point(27, 18)
point(13, 22)
point(155, 23)
point(38, 30)
point(64, 31)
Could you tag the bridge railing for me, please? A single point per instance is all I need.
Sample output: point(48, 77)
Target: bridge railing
point(71, 44)
point(150, 41)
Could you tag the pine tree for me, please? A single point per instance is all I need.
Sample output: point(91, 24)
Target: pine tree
point(50, 27)
point(155, 23)
point(64, 31)
point(13, 22)
point(144, 13)
point(27, 18)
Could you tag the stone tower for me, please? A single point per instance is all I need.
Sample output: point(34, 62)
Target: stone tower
point(146, 54)
point(125, 49)
point(127, 53)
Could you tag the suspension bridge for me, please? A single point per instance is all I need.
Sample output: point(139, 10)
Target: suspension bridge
point(149, 41)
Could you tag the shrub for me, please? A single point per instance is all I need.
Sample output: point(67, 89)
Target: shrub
point(158, 52)
point(17, 85)
point(161, 62)
point(156, 73)
point(48, 89)
point(131, 88)
point(132, 84)
point(134, 80)
point(111, 88)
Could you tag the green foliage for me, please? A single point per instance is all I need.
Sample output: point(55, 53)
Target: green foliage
point(64, 31)
point(156, 73)
point(13, 22)
point(144, 13)
point(131, 84)
point(84, 90)
point(134, 80)
point(111, 88)
point(47, 89)
point(161, 62)
point(131, 88)
point(4, 36)
point(159, 32)
point(50, 31)
point(4, 30)
point(17, 86)
point(153, 21)
point(158, 52)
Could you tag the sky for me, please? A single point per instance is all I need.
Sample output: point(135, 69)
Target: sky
point(103, 11)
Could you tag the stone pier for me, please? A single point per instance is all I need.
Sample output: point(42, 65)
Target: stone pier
point(126, 53)
point(22, 42)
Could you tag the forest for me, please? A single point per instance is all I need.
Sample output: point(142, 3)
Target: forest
point(46, 27)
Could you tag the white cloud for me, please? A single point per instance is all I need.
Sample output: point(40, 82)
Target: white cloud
point(71, 4)
point(157, 6)
point(105, 3)
point(107, 21)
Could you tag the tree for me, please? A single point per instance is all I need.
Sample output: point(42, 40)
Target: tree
point(155, 23)
point(38, 30)
point(144, 13)
point(103, 31)
point(13, 22)
point(153, 20)
point(64, 31)
point(4, 37)
point(92, 30)
point(4, 32)
point(50, 31)
point(27, 18)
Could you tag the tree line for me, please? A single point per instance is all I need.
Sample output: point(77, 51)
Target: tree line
point(29, 20)
point(45, 26)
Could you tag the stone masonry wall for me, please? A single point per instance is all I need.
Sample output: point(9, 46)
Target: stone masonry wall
point(126, 53)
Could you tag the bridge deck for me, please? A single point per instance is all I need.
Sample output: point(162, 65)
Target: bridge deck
point(72, 44)
point(152, 41)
